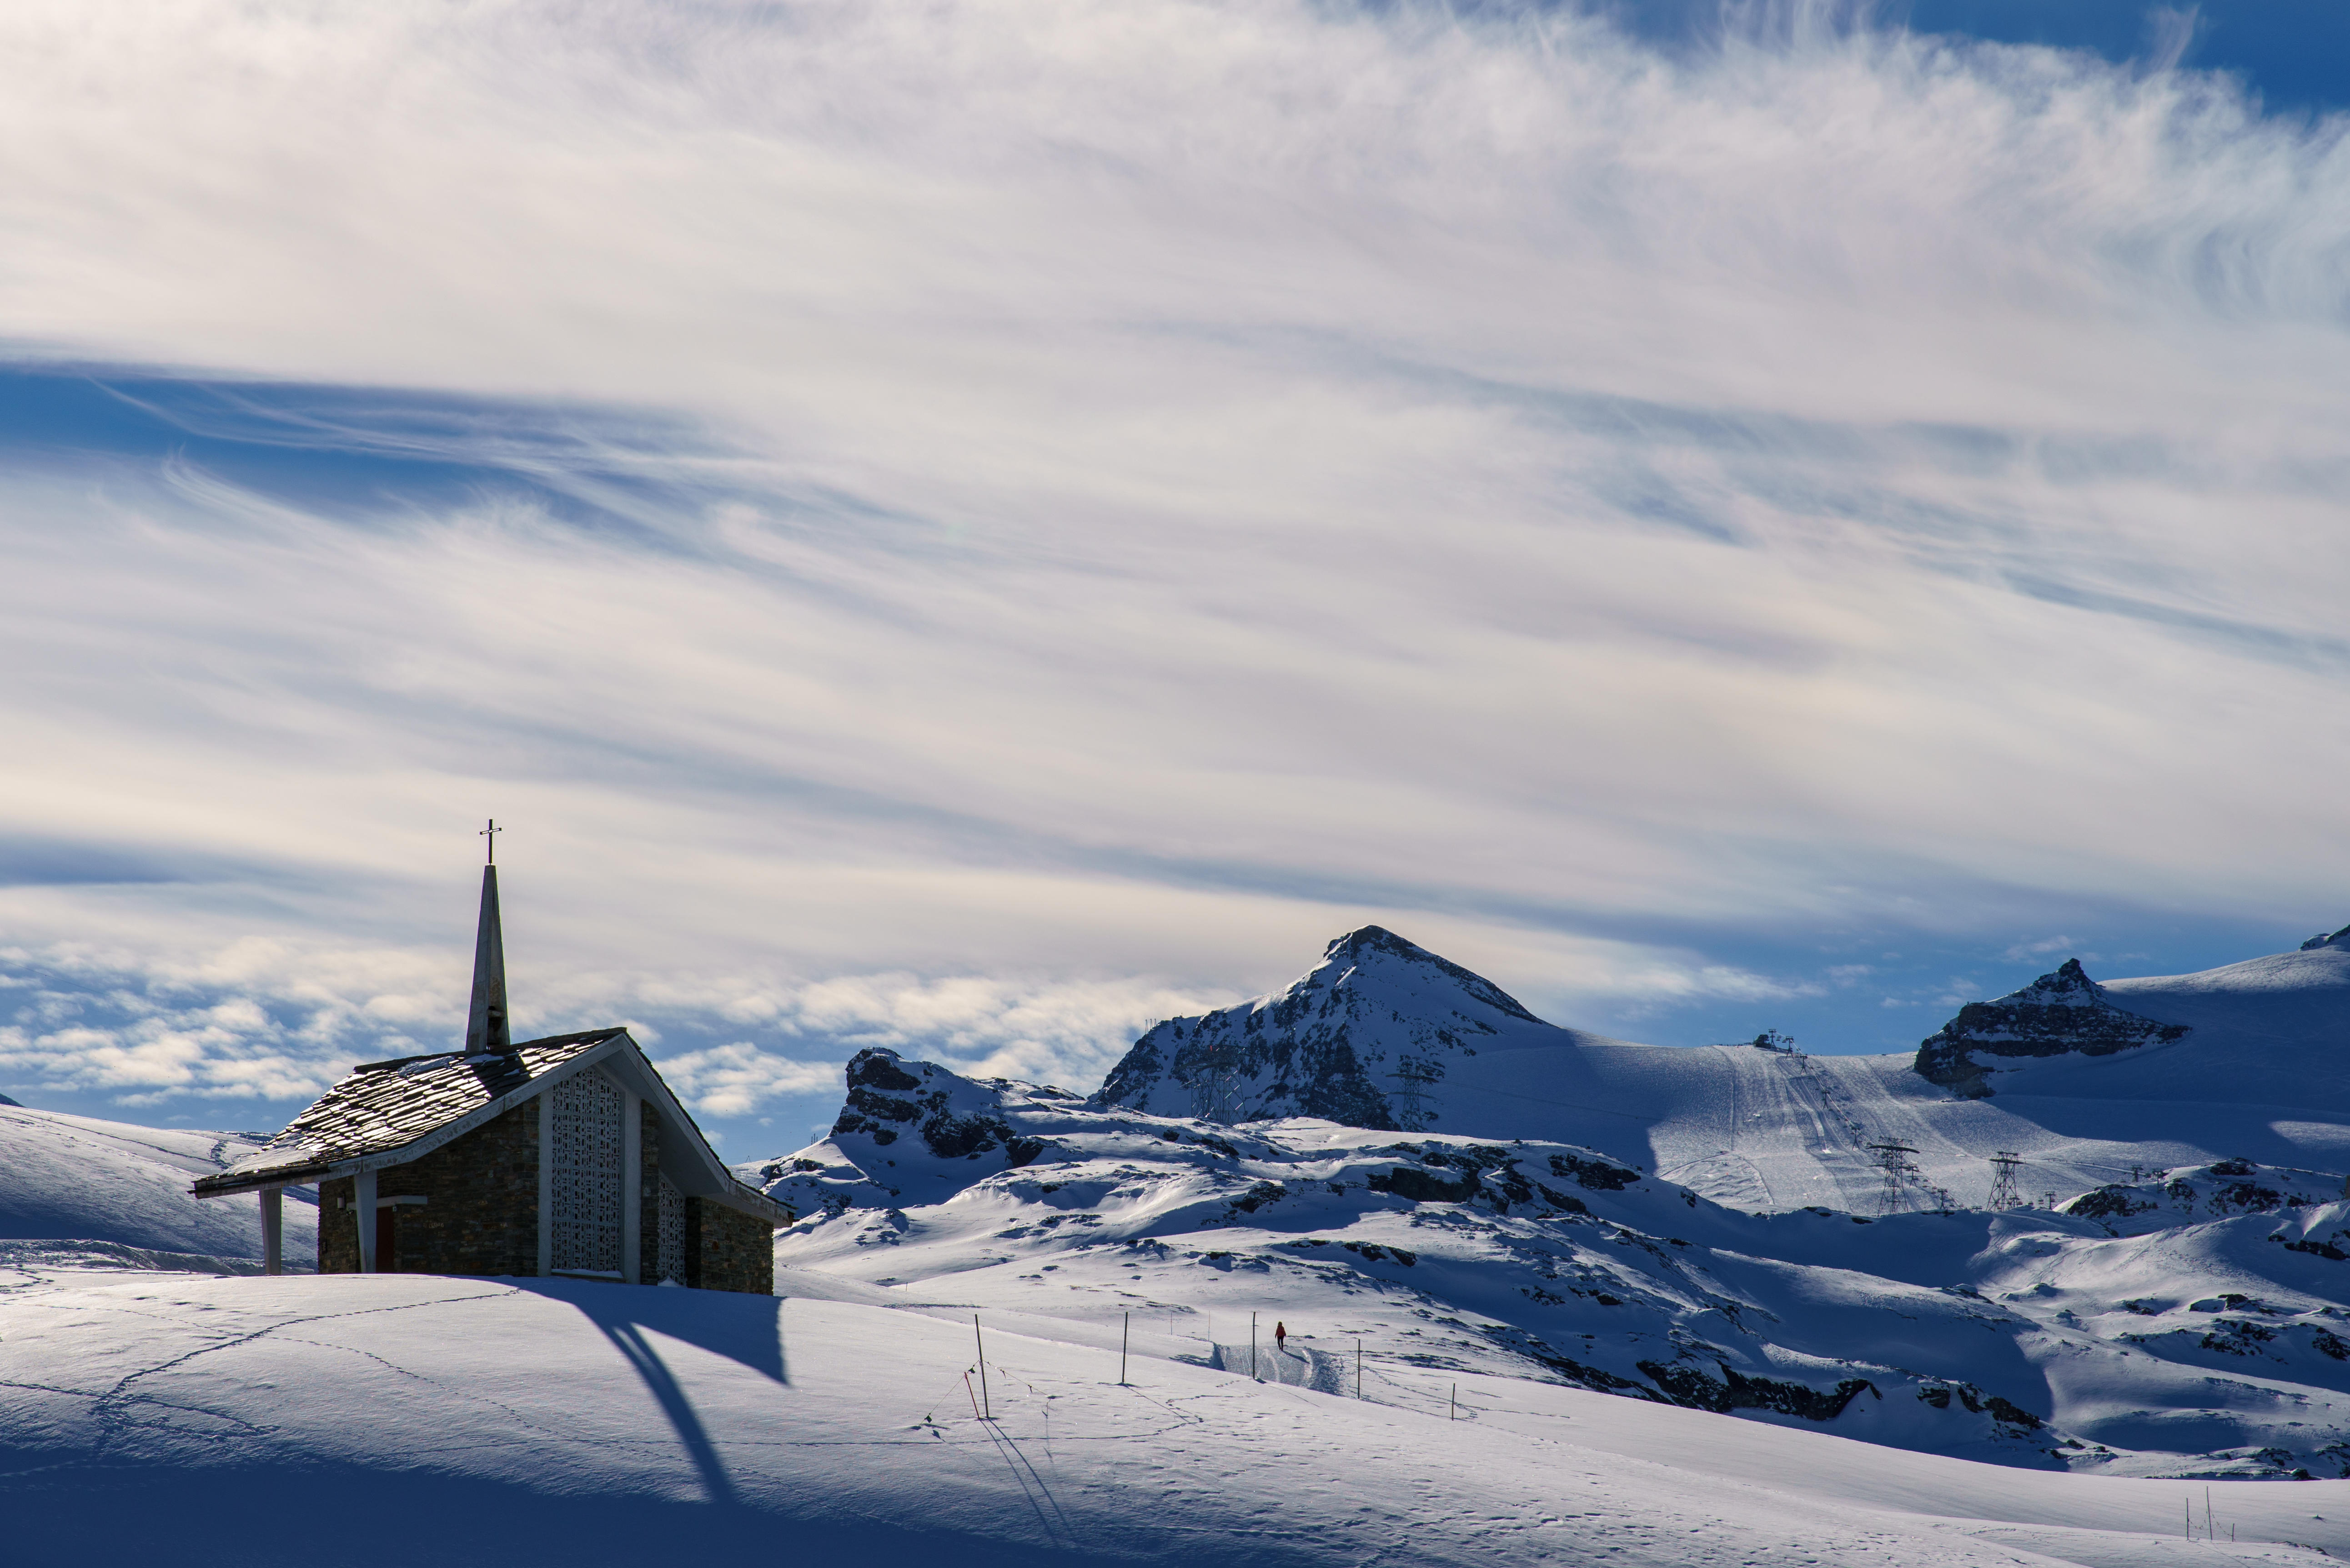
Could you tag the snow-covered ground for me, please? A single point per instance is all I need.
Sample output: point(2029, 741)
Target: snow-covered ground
point(1547, 1297)
point(394, 1421)
point(2151, 1334)
point(74, 1187)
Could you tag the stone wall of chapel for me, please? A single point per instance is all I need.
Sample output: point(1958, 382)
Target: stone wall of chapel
point(480, 1211)
point(727, 1249)
point(481, 1214)
point(648, 1196)
point(339, 1234)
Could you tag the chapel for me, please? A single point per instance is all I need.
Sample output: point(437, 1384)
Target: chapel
point(566, 1156)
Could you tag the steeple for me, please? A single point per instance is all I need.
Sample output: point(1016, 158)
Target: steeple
point(485, 1025)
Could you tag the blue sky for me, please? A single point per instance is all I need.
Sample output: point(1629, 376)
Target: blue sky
point(979, 530)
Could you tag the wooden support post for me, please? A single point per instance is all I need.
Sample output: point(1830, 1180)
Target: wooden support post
point(272, 1230)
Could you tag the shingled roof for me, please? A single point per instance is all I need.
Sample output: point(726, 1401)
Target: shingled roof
point(384, 1107)
point(388, 1112)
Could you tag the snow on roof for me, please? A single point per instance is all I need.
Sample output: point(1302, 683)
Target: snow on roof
point(384, 1106)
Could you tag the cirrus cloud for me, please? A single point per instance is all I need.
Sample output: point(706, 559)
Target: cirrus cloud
point(972, 523)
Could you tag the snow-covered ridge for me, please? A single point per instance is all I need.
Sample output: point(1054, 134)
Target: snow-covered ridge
point(2091, 1079)
point(116, 1192)
point(2165, 1200)
point(2190, 1345)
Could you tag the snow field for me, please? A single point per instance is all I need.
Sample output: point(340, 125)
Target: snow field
point(388, 1420)
point(66, 1180)
point(2026, 1338)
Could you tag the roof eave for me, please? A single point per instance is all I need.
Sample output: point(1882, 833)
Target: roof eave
point(416, 1147)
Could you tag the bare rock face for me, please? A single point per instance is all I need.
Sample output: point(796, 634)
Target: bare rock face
point(1350, 1041)
point(2062, 1013)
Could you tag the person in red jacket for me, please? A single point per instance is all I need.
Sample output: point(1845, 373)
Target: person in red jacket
point(1280, 1332)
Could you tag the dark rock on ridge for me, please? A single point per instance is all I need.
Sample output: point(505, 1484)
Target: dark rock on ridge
point(1734, 1390)
point(2060, 1013)
point(1376, 1007)
point(885, 1099)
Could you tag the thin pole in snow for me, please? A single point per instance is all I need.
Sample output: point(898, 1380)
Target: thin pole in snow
point(2189, 1504)
point(1125, 1328)
point(1455, 1415)
point(1251, 1344)
point(982, 1369)
point(2208, 1534)
point(975, 1399)
point(1358, 1369)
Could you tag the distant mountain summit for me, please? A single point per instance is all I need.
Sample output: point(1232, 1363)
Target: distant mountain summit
point(2062, 1012)
point(2339, 939)
point(1363, 1038)
point(2170, 1071)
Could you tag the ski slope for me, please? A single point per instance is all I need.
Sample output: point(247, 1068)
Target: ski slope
point(380, 1421)
point(1383, 1033)
point(78, 1186)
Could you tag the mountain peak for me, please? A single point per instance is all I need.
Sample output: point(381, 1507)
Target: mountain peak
point(2064, 1012)
point(2340, 939)
point(1370, 947)
point(1357, 1039)
point(1365, 939)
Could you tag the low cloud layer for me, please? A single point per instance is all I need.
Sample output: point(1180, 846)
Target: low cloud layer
point(1000, 522)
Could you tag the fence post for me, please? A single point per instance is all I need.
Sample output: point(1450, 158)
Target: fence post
point(982, 1369)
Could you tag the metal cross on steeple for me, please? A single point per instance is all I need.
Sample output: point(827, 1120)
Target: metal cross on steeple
point(491, 833)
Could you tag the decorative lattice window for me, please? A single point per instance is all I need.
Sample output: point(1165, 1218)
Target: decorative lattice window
point(584, 1167)
point(672, 1231)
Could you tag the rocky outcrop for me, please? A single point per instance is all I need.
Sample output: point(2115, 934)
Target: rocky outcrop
point(1363, 1039)
point(2059, 1014)
point(1734, 1390)
point(948, 1117)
